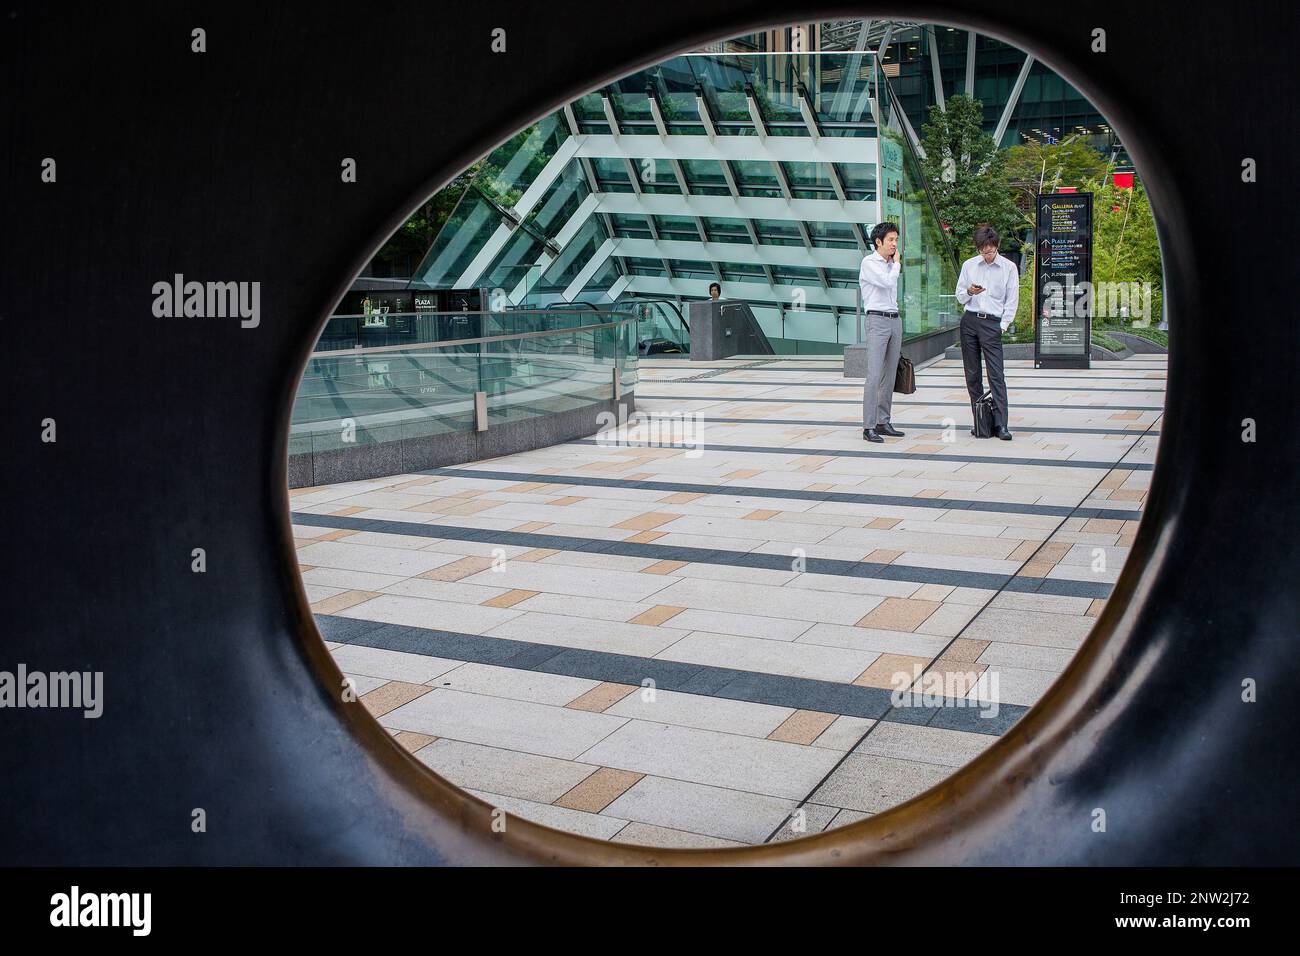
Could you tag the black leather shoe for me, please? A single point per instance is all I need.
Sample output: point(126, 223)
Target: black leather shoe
point(1004, 434)
point(890, 430)
point(870, 435)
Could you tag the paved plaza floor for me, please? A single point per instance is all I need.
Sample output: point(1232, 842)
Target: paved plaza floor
point(693, 630)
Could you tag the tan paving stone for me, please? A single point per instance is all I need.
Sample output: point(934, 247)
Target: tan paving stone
point(391, 696)
point(340, 602)
point(884, 556)
point(531, 526)
point(1094, 609)
point(601, 697)
point(883, 524)
point(883, 670)
point(566, 500)
point(680, 498)
point(413, 741)
point(599, 790)
point(645, 537)
point(663, 567)
point(932, 592)
point(461, 568)
point(762, 514)
point(802, 727)
point(743, 473)
point(647, 521)
point(965, 650)
point(349, 510)
point(899, 614)
point(656, 615)
point(535, 555)
point(510, 598)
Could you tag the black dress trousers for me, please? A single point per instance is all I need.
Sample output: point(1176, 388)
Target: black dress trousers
point(983, 336)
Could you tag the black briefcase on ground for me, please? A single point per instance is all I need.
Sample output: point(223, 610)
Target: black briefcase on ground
point(905, 377)
point(985, 416)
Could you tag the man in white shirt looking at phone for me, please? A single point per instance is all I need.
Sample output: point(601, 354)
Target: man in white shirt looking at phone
point(989, 288)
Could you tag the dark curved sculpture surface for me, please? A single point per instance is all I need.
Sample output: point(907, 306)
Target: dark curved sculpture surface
point(171, 436)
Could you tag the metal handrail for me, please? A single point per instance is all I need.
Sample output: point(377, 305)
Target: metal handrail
point(405, 347)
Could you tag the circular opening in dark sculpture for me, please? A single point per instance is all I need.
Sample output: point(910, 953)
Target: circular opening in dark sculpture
point(918, 825)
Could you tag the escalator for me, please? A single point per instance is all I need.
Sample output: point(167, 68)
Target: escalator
point(661, 329)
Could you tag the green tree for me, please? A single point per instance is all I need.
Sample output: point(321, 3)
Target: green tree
point(1124, 243)
point(1033, 167)
point(406, 247)
point(963, 169)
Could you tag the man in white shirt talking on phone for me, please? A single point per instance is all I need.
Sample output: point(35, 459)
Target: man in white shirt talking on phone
point(878, 282)
point(989, 288)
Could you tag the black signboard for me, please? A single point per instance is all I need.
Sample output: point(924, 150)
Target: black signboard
point(1063, 273)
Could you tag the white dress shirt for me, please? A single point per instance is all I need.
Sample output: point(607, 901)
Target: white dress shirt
point(878, 280)
point(1001, 282)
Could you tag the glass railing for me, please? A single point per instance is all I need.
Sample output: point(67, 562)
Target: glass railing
point(393, 393)
point(378, 329)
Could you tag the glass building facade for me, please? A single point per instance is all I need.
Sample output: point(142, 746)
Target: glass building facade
point(762, 171)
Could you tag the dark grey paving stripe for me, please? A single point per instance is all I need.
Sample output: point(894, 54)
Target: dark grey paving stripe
point(800, 693)
point(774, 400)
point(920, 426)
point(858, 453)
point(920, 384)
point(908, 573)
point(851, 497)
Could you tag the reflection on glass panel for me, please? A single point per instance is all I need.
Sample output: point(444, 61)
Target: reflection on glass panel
point(756, 177)
point(859, 180)
point(778, 232)
point(633, 227)
point(644, 267)
point(657, 176)
point(573, 258)
point(726, 230)
point(691, 268)
point(705, 173)
point(560, 202)
point(511, 167)
point(471, 224)
point(927, 285)
point(832, 235)
point(677, 227)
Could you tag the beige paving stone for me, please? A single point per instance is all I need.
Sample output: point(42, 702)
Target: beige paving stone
point(663, 567)
point(601, 697)
point(883, 524)
point(899, 614)
point(929, 493)
point(932, 592)
point(566, 500)
point(965, 649)
point(1094, 609)
point(350, 510)
point(762, 514)
point(391, 696)
point(335, 535)
point(1035, 569)
point(531, 526)
point(679, 498)
point(657, 614)
point(1104, 525)
point(648, 521)
point(510, 598)
point(599, 790)
point(959, 677)
point(535, 555)
point(1024, 552)
point(645, 537)
point(819, 487)
point(802, 727)
point(884, 556)
point(927, 449)
point(339, 602)
point(743, 473)
point(413, 741)
point(458, 569)
point(885, 670)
